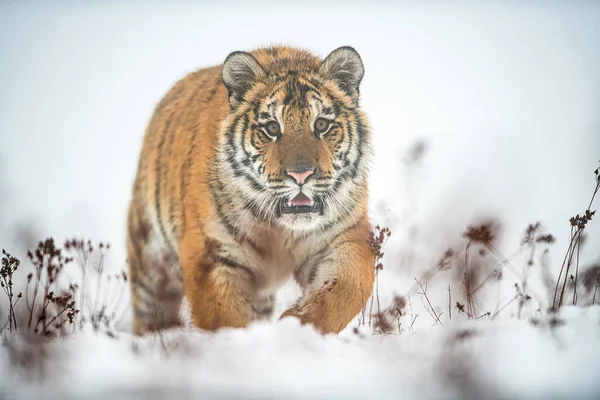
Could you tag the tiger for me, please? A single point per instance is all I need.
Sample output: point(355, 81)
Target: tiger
point(253, 173)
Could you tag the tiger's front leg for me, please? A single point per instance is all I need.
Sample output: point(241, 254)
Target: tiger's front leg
point(219, 290)
point(338, 284)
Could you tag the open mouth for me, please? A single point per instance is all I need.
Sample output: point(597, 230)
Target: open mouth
point(301, 204)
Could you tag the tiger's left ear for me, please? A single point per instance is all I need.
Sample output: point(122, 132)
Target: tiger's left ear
point(345, 67)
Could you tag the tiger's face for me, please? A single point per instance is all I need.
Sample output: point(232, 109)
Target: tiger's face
point(296, 141)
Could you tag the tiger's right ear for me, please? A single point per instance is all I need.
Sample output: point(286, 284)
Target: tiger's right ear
point(240, 71)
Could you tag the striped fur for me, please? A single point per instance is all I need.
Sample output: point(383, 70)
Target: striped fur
point(206, 219)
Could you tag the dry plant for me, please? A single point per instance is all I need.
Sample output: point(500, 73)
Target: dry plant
point(51, 304)
point(480, 254)
point(100, 311)
point(591, 282)
point(429, 307)
point(389, 320)
point(50, 313)
point(7, 269)
point(578, 224)
point(379, 237)
point(483, 235)
point(468, 261)
point(477, 262)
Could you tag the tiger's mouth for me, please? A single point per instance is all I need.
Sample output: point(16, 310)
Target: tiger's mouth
point(301, 204)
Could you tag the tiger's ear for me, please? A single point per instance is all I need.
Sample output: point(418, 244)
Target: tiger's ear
point(345, 67)
point(240, 71)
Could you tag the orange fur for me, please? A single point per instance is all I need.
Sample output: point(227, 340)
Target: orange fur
point(176, 226)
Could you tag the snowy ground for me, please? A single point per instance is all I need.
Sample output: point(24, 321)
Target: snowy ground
point(552, 359)
point(504, 98)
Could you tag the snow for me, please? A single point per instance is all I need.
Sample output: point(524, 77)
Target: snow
point(504, 98)
point(506, 358)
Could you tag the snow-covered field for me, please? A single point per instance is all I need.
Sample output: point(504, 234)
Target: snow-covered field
point(504, 101)
point(463, 360)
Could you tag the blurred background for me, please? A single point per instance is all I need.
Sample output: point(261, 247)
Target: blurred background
point(478, 111)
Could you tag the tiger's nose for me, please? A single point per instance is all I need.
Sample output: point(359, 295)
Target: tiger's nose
point(301, 176)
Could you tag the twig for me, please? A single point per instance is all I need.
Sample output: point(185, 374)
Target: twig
point(413, 322)
point(504, 306)
point(578, 224)
point(576, 276)
point(467, 282)
point(424, 293)
point(449, 303)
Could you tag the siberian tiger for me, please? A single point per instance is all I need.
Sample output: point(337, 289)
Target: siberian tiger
point(252, 172)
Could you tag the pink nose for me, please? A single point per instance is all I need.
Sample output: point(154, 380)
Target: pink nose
point(300, 176)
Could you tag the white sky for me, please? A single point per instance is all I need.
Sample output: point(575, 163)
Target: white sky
point(506, 96)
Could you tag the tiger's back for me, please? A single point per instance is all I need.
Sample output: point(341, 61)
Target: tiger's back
point(190, 233)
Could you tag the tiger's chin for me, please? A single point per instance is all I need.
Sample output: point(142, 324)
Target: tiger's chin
point(305, 222)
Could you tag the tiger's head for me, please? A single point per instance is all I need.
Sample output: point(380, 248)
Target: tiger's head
point(295, 140)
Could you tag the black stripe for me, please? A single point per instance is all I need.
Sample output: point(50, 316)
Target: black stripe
point(175, 229)
point(185, 178)
point(361, 132)
point(225, 221)
point(158, 171)
point(262, 138)
point(290, 90)
point(272, 51)
point(315, 258)
point(244, 131)
point(256, 185)
point(238, 171)
point(231, 145)
point(353, 171)
point(166, 156)
point(228, 262)
point(312, 274)
point(140, 284)
point(325, 227)
point(255, 109)
point(350, 135)
point(145, 313)
point(281, 83)
point(343, 216)
point(134, 238)
point(320, 263)
point(255, 210)
point(316, 87)
point(189, 159)
point(315, 82)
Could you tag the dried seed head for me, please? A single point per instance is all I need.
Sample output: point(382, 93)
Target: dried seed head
point(484, 233)
point(400, 302)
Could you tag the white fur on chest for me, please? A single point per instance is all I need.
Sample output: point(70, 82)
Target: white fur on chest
point(272, 253)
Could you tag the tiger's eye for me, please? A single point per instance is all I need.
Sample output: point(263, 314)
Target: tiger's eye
point(321, 125)
point(273, 128)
